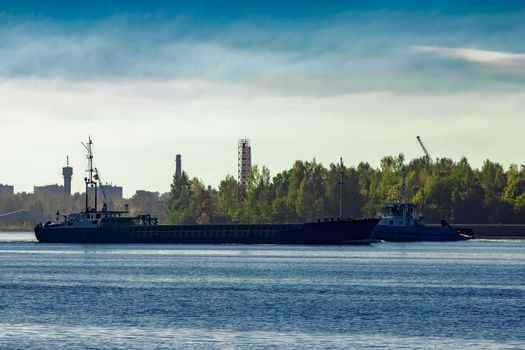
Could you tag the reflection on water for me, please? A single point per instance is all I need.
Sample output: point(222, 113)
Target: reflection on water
point(17, 237)
point(143, 338)
point(418, 295)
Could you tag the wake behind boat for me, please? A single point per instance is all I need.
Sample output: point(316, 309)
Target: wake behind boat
point(108, 226)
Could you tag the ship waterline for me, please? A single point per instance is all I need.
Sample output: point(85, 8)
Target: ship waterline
point(356, 231)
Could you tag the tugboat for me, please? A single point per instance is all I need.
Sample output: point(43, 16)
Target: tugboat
point(108, 226)
point(401, 222)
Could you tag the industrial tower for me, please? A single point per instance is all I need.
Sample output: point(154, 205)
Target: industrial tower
point(245, 167)
point(178, 165)
point(67, 172)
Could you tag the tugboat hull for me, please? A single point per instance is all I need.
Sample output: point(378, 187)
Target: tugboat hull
point(421, 233)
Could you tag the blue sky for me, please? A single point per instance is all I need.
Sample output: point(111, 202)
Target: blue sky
point(305, 45)
point(358, 79)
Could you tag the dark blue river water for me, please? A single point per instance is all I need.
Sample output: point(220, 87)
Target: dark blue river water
point(417, 295)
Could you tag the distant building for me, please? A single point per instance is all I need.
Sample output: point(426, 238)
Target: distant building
point(55, 190)
point(7, 190)
point(110, 191)
point(58, 190)
point(115, 192)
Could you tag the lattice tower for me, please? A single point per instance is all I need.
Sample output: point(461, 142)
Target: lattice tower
point(244, 167)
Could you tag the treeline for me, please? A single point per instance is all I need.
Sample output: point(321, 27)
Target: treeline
point(443, 190)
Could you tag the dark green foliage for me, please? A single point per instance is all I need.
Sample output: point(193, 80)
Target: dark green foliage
point(442, 190)
point(513, 195)
point(181, 209)
point(229, 198)
point(192, 203)
point(493, 180)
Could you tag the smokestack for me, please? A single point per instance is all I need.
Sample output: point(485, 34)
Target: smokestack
point(178, 165)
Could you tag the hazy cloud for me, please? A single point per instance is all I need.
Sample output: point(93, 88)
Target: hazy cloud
point(348, 53)
point(512, 62)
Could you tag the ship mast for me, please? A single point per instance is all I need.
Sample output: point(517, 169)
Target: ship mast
point(89, 180)
point(341, 190)
point(403, 187)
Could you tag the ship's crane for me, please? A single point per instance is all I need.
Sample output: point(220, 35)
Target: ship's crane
point(425, 149)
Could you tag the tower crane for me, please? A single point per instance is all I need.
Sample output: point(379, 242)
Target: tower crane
point(425, 149)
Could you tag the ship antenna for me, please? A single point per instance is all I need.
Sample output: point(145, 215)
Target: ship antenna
point(89, 181)
point(341, 190)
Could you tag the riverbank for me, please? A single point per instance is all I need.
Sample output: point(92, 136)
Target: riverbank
point(23, 227)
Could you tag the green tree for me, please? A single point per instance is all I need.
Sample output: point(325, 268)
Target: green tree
point(283, 212)
point(229, 199)
point(514, 191)
point(310, 200)
point(468, 194)
point(258, 203)
point(493, 180)
point(296, 176)
point(368, 182)
point(181, 192)
point(352, 198)
point(204, 203)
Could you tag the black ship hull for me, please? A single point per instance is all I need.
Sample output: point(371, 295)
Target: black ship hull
point(344, 232)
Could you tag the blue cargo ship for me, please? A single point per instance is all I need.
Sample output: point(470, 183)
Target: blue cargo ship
point(108, 226)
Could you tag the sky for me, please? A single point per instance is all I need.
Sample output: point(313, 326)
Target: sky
point(301, 79)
